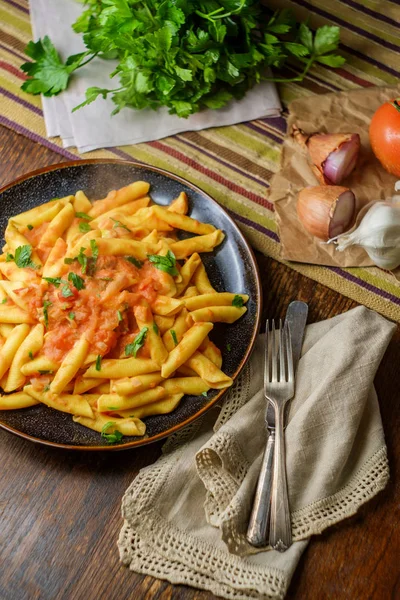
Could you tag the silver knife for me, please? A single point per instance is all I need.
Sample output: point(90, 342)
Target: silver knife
point(257, 535)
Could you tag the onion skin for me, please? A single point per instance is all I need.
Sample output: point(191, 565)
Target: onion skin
point(316, 208)
point(321, 145)
point(384, 135)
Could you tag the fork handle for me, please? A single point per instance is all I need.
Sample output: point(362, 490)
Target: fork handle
point(280, 525)
point(257, 529)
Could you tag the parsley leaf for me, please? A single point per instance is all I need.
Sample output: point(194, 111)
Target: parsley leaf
point(46, 305)
point(9, 257)
point(44, 372)
point(57, 281)
point(4, 301)
point(84, 227)
point(30, 227)
point(237, 301)
point(111, 438)
point(66, 291)
point(204, 394)
point(137, 343)
point(119, 224)
point(134, 261)
point(71, 315)
point(228, 347)
point(119, 315)
point(76, 280)
point(48, 75)
point(98, 362)
point(22, 257)
point(173, 335)
point(82, 215)
point(30, 354)
point(155, 328)
point(165, 263)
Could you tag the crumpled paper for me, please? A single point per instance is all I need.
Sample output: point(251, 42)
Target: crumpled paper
point(337, 112)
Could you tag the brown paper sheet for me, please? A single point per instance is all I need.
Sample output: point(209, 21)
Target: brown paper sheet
point(342, 112)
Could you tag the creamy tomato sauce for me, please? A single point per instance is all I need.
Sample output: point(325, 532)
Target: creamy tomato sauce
point(103, 310)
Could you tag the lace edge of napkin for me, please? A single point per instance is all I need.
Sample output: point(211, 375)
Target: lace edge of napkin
point(226, 508)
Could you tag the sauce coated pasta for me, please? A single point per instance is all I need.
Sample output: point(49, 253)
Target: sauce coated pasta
point(105, 314)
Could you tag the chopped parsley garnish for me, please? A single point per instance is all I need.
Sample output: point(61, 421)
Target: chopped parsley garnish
point(66, 291)
point(44, 371)
point(57, 281)
point(82, 215)
point(76, 280)
point(9, 257)
point(112, 407)
point(173, 335)
point(46, 305)
point(106, 279)
point(137, 343)
point(119, 315)
point(98, 362)
point(46, 389)
point(95, 249)
point(30, 227)
point(4, 300)
point(82, 259)
point(22, 257)
point(30, 354)
point(204, 394)
point(165, 263)
point(134, 261)
point(71, 315)
point(237, 301)
point(84, 227)
point(155, 328)
point(119, 224)
point(111, 438)
point(228, 347)
point(68, 261)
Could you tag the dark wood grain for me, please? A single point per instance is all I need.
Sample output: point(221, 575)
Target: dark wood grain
point(60, 511)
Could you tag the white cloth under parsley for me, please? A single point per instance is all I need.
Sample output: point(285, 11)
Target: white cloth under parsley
point(92, 126)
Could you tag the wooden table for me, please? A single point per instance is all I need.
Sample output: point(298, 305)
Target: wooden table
point(60, 511)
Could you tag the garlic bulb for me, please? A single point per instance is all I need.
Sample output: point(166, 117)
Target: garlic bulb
point(378, 233)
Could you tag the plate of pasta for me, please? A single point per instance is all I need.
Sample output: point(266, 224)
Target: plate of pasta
point(129, 303)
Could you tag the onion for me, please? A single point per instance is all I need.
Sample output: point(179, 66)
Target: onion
point(334, 155)
point(326, 211)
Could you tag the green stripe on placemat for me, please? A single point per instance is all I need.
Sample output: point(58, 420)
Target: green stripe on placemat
point(234, 164)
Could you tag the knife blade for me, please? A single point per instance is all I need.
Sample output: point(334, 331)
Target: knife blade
point(296, 317)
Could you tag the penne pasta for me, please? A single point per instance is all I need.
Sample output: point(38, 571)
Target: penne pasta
point(162, 407)
point(201, 243)
point(12, 343)
point(201, 281)
point(194, 386)
point(116, 198)
point(180, 204)
point(218, 314)
point(189, 343)
point(69, 403)
point(208, 371)
point(135, 385)
point(118, 368)
point(31, 344)
point(126, 426)
point(70, 366)
point(213, 299)
point(114, 402)
point(16, 401)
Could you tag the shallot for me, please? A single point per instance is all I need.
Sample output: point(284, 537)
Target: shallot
point(326, 211)
point(333, 155)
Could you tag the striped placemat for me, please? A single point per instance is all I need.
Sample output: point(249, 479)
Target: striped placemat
point(234, 164)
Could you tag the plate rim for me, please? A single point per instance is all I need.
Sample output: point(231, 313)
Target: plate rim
point(204, 409)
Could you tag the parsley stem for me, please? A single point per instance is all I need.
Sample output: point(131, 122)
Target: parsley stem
point(87, 61)
point(299, 77)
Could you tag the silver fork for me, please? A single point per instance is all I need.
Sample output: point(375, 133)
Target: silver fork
point(279, 389)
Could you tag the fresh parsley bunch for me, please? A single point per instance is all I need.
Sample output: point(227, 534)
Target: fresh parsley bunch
point(183, 54)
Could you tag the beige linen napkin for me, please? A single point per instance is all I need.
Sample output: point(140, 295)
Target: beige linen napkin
point(186, 516)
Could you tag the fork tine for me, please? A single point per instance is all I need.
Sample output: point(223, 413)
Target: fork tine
point(289, 353)
point(274, 366)
point(282, 352)
point(267, 354)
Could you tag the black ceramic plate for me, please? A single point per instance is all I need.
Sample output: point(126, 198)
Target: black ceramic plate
point(231, 267)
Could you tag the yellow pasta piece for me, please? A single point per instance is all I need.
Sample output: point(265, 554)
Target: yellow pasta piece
point(114, 402)
point(146, 217)
point(187, 271)
point(190, 292)
point(69, 367)
point(166, 306)
point(172, 337)
point(127, 209)
point(123, 247)
point(213, 299)
point(193, 386)
point(68, 403)
point(201, 243)
point(38, 364)
point(83, 242)
point(201, 281)
point(163, 323)
point(212, 352)
point(208, 371)
point(180, 205)
point(103, 388)
point(82, 385)
point(135, 385)
point(14, 273)
point(9, 288)
point(57, 227)
point(162, 407)
point(144, 318)
point(189, 343)
point(28, 217)
point(127, 426)
point(54, 265)
point(44, 217)
point(81, 202)
point(32, 343)
point(12, 343)
point(17, 400)
point(218, 314)
point(183, 222)
point(15, 239)
point(113, 368)
point(6, 329)
point(14, 314)
point(117, 198)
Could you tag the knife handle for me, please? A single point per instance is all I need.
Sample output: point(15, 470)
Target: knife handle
point(257, 532)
